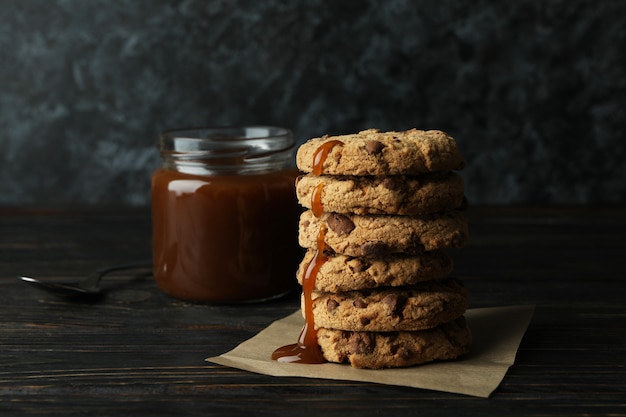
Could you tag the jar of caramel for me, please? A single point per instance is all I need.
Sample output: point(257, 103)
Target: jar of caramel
point(225, 214)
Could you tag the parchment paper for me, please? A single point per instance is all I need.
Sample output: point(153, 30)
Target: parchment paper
point(497, 333)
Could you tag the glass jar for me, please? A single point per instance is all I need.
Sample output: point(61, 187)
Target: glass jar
point(225, 214)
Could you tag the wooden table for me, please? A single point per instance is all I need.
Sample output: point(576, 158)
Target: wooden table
point(138, 352)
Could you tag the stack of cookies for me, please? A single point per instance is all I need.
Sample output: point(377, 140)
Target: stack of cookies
point(383, 207)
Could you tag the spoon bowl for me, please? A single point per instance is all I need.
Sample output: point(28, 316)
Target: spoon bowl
point(87, 288)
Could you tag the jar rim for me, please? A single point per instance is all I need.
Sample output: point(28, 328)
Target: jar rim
point(245, 148)
point(225, 141)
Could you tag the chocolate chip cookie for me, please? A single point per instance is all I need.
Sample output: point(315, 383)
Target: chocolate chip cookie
point(372, 152)
point(397, 195)
point(378, 235)
point(417, 307)
point(376, 350)
point(342, 273)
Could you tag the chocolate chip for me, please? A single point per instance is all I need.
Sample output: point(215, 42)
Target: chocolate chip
point(395, 303)
point(404, 353)
point(362, 343)
point(373, 147)
point(364, 321)
point(359, 303)
point(373, 249)
point(416, 245)
point(340, 224)
point(331, 305)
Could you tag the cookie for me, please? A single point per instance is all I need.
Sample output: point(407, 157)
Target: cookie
point(418, 307)
point(342, 273)
point(378, 235)
point(372, 152)
point(395, 349)
point(402, 195)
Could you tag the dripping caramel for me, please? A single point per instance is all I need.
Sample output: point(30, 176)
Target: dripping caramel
point(306, 350)
point(316, 200)
point(321, 154)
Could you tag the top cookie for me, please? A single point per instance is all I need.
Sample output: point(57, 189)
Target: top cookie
point(372, 152)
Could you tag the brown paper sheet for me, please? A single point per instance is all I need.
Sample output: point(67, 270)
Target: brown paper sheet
point(497, 333)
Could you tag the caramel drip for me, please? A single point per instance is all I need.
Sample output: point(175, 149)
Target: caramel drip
point(316, 200)
point(321, 154)
point(307, 349)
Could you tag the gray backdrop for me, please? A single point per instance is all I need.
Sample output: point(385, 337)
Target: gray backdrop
point(534, 91)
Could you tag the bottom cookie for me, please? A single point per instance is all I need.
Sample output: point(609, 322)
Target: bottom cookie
point(374, 350)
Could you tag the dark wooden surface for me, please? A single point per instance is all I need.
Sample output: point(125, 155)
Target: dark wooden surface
point(138, 352)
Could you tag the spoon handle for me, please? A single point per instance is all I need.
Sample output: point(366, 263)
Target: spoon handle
point(94, 278)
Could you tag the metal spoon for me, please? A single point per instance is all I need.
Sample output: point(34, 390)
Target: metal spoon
point(89, 287)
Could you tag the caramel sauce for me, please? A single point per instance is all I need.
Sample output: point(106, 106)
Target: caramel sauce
point(306, 350)
point(316, 200)
point(225, 238)
point(321, 154)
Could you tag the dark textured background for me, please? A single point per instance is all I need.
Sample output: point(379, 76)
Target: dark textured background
point(534, 91)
